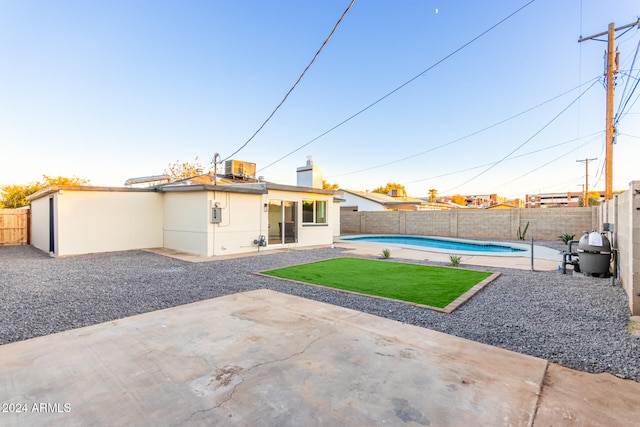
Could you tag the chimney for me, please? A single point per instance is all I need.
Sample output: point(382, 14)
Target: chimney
point(309, 175)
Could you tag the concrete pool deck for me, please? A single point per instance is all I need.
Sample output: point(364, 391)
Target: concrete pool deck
point(545, 259)
point(267, 358)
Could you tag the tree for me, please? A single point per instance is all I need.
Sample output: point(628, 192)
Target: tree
point(15, 196)
point(459, 200)
point(593, 199)
point(387, 188)
point(328, 186)
point(63, 180)
point(184, 170)
point(432, 194)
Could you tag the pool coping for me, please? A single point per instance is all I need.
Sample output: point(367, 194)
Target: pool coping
point(449, 308)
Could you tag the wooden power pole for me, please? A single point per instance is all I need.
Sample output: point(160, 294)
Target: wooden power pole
point(611, 70)
point(585, 189)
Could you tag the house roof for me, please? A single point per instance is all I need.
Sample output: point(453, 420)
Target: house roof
point(198, 183)
point(384, 199)
point(55, 188)
point(206, 182)
point(445, 204)
point(502, 206)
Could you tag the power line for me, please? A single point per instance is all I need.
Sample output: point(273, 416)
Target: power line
point(543, 166)
point(526, 141)
point(463, 137)
point(296, 83)
point(632, 104)
point(397, 88)
point(621, 113)
point(555, 185)
point(630, 136)
point(514, 157)
point(623, 102)
point(600, 175)
point(603, 147)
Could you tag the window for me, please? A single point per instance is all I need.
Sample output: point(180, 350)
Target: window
point(282, 222)
point(314, 211)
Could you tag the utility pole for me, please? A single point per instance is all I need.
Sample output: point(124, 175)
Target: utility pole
point(611, 70)
point(585, 189)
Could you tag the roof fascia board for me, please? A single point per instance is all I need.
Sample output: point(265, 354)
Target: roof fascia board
point(55, 188)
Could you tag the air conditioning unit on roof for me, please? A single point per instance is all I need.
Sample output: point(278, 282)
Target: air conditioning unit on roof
point(239, 169)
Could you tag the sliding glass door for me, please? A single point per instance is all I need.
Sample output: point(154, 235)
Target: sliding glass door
point(282, 222)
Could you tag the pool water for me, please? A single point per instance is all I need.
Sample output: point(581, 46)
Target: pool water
point(427, 242)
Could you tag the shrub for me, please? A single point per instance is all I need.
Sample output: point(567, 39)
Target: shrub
point(566, 237)
point(455, 260)
point(521, 234)
point(386, 253)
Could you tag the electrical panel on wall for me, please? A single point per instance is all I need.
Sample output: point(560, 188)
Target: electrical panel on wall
point(216, 215)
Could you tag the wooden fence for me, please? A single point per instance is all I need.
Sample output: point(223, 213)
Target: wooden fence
point(14, 227)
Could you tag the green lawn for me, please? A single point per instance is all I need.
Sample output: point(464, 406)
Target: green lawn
point(433, 286)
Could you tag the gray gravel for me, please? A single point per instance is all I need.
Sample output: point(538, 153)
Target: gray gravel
point(575, 321)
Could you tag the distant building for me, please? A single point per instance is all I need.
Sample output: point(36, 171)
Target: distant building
point(481, 201)
point(570, 199)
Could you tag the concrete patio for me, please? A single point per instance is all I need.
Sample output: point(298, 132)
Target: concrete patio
point(267, 358)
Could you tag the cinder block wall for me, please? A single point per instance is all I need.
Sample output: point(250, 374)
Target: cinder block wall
point(624, 212)
point(544, 224)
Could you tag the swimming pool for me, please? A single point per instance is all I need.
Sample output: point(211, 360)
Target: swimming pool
point(442, 244)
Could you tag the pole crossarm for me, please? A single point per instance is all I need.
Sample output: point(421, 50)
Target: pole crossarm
point(584, 39)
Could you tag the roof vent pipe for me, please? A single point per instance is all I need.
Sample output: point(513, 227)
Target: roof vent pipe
point(215, 161)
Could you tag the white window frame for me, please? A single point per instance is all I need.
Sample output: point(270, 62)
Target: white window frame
point(315, 212)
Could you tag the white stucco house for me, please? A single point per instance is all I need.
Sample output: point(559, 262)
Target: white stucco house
point(199, 216)
point(376, 202)
point(397, 200)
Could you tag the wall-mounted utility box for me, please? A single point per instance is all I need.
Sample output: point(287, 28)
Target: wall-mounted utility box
point(216, 215)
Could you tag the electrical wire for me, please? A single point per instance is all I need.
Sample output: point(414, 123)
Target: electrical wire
point(296, 83)
point(623, 101)
point(631, 106)
point(630, 136)
point(397, 88)
point(526, 141)
point(542, 166)
point(623, 112)
point(601, 174)
point(598, 133)
point(601, 163)
point(555, 185)
point(463, 137)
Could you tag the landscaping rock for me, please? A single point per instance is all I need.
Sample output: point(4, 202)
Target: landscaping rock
point(578, 322)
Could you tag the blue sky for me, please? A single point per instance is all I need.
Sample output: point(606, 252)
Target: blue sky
point(109, 90)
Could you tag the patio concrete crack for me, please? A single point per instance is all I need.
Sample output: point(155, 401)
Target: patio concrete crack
point(242, 378)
